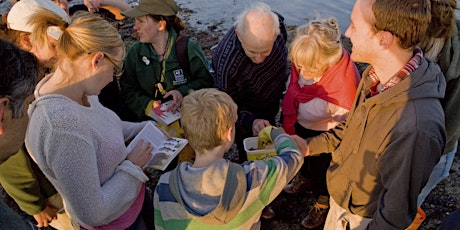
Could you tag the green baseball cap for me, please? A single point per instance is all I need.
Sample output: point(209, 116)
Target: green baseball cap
point(154, 7)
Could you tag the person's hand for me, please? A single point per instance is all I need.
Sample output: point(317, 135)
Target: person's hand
point(302, 144)
point(176, 100)
point(141, 153)
point(44, 217)
point(93, 5)
point(258, 125)
point(264, 137)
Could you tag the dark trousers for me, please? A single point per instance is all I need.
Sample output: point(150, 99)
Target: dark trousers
point(240, 135)
point(314, 168)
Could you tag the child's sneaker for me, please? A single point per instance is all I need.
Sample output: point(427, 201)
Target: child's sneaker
point(298, 184)
point(268, 213)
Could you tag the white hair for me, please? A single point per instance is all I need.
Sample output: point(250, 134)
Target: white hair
point(263, 10)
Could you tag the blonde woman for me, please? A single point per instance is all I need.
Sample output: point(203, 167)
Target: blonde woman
point(320, 93)
point(78, 143)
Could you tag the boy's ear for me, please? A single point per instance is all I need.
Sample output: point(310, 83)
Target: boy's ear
point(3, 106)
point(229, 135)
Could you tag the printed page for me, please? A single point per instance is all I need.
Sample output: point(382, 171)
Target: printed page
point(169, 149)
point(149, 133)
point(164, 149)
point(160, 114)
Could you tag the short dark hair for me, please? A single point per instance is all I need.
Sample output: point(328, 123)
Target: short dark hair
point(18, 76)
point(406, 19)
point(171, 22)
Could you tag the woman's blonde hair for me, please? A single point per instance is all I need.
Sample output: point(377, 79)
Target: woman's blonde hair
point(206, 116)
point(317, 42)
point(88, 33)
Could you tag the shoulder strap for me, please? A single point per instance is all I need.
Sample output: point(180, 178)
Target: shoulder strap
point(182, 54)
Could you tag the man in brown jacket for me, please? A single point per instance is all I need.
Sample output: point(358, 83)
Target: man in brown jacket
point(384, 153)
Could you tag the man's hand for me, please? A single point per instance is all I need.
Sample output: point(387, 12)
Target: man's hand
point(44, 217)
point(303, 146)
point(258, 125)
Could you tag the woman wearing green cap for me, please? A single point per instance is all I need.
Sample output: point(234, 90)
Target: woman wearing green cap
point(153, 73)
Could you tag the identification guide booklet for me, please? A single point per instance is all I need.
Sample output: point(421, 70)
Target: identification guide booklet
point(164, 148)
point(162, 116)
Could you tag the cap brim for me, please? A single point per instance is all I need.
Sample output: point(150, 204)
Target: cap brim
point(134, 12)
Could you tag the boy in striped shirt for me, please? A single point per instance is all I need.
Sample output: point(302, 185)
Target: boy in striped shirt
point(213, 192)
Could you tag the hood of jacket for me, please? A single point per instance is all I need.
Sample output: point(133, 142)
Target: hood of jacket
point(427, 81)
point(214, 194)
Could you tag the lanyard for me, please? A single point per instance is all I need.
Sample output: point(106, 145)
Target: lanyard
point(159, 86)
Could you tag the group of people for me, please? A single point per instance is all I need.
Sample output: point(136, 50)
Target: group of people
point(370, 147)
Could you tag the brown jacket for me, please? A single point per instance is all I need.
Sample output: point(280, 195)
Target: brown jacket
point(383, 154)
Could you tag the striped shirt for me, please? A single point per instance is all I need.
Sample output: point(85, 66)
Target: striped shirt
point(201, 190)
point(406, 71)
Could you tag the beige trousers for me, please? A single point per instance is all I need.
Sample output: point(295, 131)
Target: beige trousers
point(340, 219)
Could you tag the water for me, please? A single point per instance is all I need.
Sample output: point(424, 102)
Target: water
point(220, 13)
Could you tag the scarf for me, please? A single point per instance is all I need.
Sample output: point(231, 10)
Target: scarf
point(337, 86)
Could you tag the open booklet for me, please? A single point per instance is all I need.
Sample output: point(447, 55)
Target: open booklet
point(162, 116)
point(164, 148)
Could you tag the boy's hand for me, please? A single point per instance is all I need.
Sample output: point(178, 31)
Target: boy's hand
point(265, 137)
point(302, 144)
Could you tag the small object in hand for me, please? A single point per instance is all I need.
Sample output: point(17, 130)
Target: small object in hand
point(264, 137)
point(264, 144)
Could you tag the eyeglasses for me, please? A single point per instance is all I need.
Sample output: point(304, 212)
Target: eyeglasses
point(117, 69)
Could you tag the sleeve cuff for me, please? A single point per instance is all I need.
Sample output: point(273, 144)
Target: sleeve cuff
point(133, 170)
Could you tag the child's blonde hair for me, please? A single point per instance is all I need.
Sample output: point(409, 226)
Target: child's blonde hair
point(317, 42)
point(206, 116)
point(41, 21)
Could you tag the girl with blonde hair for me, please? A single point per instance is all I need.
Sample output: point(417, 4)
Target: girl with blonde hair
point(321, 90)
